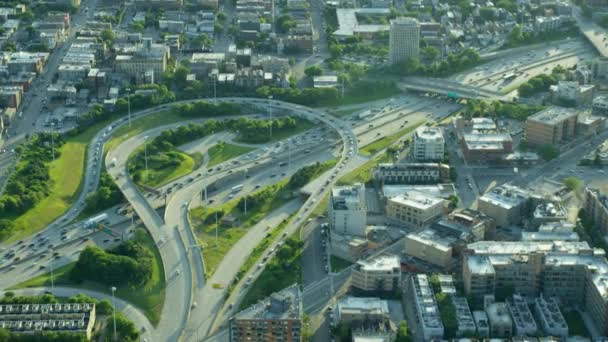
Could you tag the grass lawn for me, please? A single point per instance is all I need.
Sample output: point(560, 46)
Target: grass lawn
point(338, 264)
point(150, 298)
point(203, 222)
point(141, 125)
point(576, 326)
point(373, 95)
point(344, 112)
point(382, 143)
point(155, 177)
point(301, 126)
point(363, 173)
point(221, 152)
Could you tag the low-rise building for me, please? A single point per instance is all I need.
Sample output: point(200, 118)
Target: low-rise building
point(347, 210)
point(501, 324)
point(486, 147)
point(550, 317)
point(415, 209)
point(428, 246)
point(325, 81)
point(425, 307)
point(599, 105)
point(551, 126)
point(552, 231)
point(571, 92)
point(411, 173)
point(523, 321)
point(482, 323)
point(39, 318)
point(145, 58)
point(278, 317)
point(506, 204)
point(549, 212)
point(464, 317)
point(358, 311)
point(429, 144)
point(382, 273)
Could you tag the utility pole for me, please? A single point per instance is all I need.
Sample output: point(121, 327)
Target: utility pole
point(214, 90)
point(216, 228)
point(53, 143)
point(52, 277)
point(146, 155)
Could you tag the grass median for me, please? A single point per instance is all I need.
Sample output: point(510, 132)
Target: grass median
point(141, 125)
point(382, 143)
point(149, 298)
point(163, 167)
point(222, 152)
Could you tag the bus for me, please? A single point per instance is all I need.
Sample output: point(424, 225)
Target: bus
point(237, 188)
point(509, 77)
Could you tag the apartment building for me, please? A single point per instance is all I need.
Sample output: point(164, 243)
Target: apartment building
point(415, 209)
point(506, 204)
point(411, 173)
point(277, 318)
point(426, 310)
point(484, 147)
point(552, 231)
point(550, 317)
point(551, 126)
point(523, 321)
point(404, 39)
point(347, 210)
point(428, 246)
point(571, 271)
point(596, 206)
point(464, 317)
point(429, 144)
point(382, 273)
point(357, 311)
point(501, 324)
point(146, 58)
point(482, 324)
point(549, 212)
point(36, 318)
point(599, 106)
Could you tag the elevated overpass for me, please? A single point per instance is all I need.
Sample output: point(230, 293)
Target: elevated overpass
point(449, 88)
point(595, 34)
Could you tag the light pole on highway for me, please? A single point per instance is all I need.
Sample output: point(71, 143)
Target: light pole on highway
point(270, 114)
point(113, 288)
point(53, 143)
point(52, 277)
point(146, 155)
point(216, 228)
point(129, 104)
point(214, 91)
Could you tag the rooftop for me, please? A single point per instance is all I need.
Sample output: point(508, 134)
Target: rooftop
point(429, 237)
point(521, 314)
point(426, 306)
point(505, 196)
point(417, 199)
point(363, 306)
point(380, 263)
point(429, 133)
point(436, 190)
point(547, 210)
point(553, 115)
point(282, 305)
point(348, 24)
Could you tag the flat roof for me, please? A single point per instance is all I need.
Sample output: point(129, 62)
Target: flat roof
point(417, 199)
point(553, 115)
point(348, 24)
point(381, 263)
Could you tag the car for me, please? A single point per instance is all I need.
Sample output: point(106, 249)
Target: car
point(178, 272)
point(106, 240)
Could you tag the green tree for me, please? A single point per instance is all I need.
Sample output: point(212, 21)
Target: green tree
point(548, 152)
point(403, 333)
point(4, 335)
point(487, 13)
point(107, 36)
point(314, 70)
point(572, 183)
point(429, 53)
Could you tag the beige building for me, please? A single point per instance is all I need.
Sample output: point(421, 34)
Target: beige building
point(360, 310)
point(415, 209)
point(506, 204)
point(428, 246)
point(381, 273)
point(147, 61)
point(570, 270)
point(404, 39)
point(551, 126)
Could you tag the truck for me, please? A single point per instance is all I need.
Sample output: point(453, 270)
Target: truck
point(95, 221)
point(236, 188)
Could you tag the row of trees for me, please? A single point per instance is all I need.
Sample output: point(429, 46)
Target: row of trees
point(464, 59)
point(257, 131)
point(537, 84)
point(497, 109)
point(106, 196)
point(307, 173)
point(128, 264)
point(30, 183)
point(305, 96)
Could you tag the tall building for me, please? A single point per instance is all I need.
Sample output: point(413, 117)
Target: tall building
point(551, 126)
point(277, 318)
point(347, 210)
point(382, 273)
point(428, 144)
point(404, 39)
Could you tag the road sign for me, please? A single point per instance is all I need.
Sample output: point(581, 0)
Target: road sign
point(453, 95)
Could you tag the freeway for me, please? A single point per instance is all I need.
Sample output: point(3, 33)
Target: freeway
point(593, 32)
point(445, 87)
point(174, 252)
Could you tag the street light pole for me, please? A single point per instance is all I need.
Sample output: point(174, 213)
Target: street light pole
point(114, 310)
point(214, 90)
point(216, 228)
point(146, 155)
point(53, 143)
point(270, 114)
point(129, 105)
point(52, 277)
